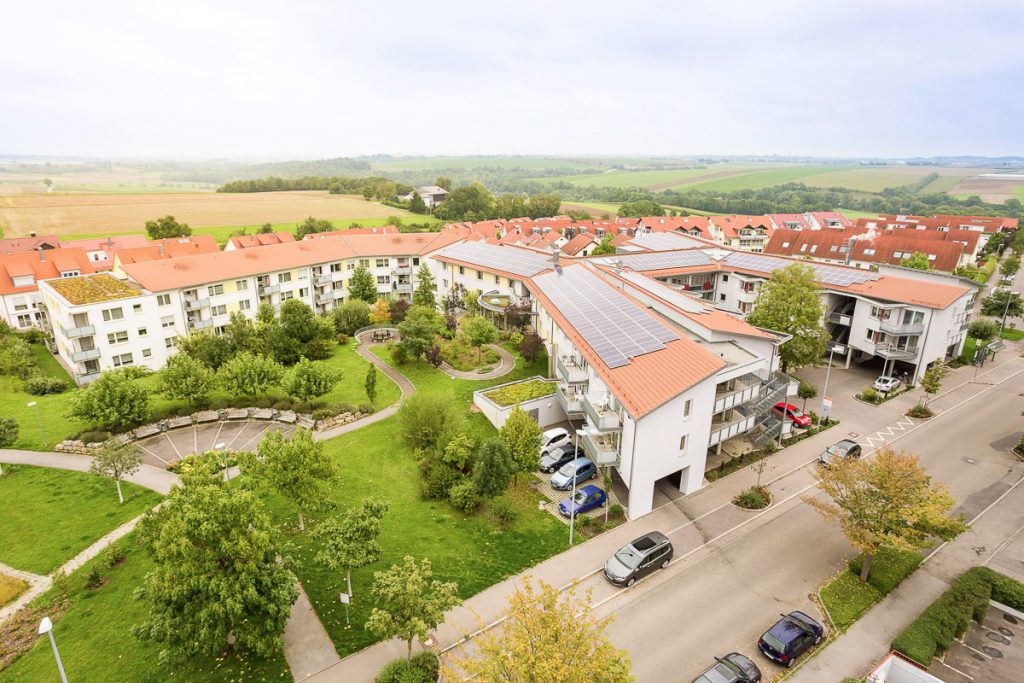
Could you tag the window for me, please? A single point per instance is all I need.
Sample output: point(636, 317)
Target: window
point(814, 248)
point(364, 263)
point(721, 297)
point(382, 263)
point(383, 279)
point(869, 252)
point(415, 260)
point(21, 307)
point(351, 266)
point(25, 320)
point(163, 299)
point(803, 247)
point(687, 407)
point(497, 279)
point(287, 295)
point(833, 248)
point(243, 305)
point(146, 353)
point(336, 267)
point(136, 308)
point(123, 359)
point(71, 273)
point(218, 310)
point(117, 337)
point(167, 321)
point(479, 275)
point(113, 314)
point(785, 245)
point(169, 342)
point(682, 442)
point(725, 278)
point(303, 293)
point(284, 277)
point(214, 290)
point(242, 285)
point(462, 270)
point(143, 331)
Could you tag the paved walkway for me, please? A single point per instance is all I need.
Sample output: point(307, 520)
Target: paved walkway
point(153, 478)
point(507, 365)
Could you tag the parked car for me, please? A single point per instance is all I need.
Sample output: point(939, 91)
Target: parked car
point(886, 384)
point(554, 459)
point(847, 448)
point(638, 559)
point(554, 438)
point(789, 411)
point(585, 500)
point(576, 470)
point(791, 636)
point(732, 668)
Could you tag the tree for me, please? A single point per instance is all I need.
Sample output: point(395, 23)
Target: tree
point(416, 203)
point(544, 204)
point(458, 453)
point(888, 501)
point(298, 332)
point(241, 335)
point(380, 312)
point(470, 203)
point(311, 226)
point(309, 379)
point(428, 422)
point(494, 468)
point(266, 229)
point(409, 603)
point(641, 208)
point(789, 303)
point(522, 435)
point(1003, 301)
point(531, 347)
point(352, 315)
point(426, 288)
point(48, 183)
point(117, 461)
point(1010, 266)
point(250, 374)
point(370, 384)
point(604, 247)
point(211, 350)
point(418, 330)
point(166, 228)
point(187, 379)
point(918, 261)
point(113, 401)
point(444, 182)
point(510, 206)
point(983, 329)
point(548, 635)
point(363, 285)
point(399, 309)
point(217, 574)
point(805, 391)
point(517, 315)
point(931, 382)
point(8, 431)
point(478, 331)
point(295, 468)
point(351, 541)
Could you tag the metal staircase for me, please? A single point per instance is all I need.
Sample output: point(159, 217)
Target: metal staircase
point(776, 390)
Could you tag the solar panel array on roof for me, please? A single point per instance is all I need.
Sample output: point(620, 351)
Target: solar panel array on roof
point(823, 274)
point(664, 260)
point(662, 241)
point(616, 328)
point(507, 259)
point(675, 297)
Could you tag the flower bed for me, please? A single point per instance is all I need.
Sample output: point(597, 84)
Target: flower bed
point(520, 392)
point(873, 397)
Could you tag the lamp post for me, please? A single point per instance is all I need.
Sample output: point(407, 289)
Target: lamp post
point(46, 626)
point(220, 447)
point(39, 419)
point(828, 372)
point(1009, 297)
point(572, 496)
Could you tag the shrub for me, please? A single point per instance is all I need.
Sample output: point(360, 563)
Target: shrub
point(889, 569)
point(438, 480)
point(40, 385)
point(616, 510)
point(344, 408)
point(263, 402)
point(342, 339)
point(8, 431)
point(754, 498)
point(136, 371)
point(503, 509)
point(94, 436)
point(515, 339)
point(428, 421)
point(113, 554)
point(93, 577)
point(61, 583)
point(421, 668)
point(463, 496)
point(983, 329)
point(323, 413)
point(870, 395)
point(282, 404)
point(920, 411)
point(398, 354)
point(365, 408)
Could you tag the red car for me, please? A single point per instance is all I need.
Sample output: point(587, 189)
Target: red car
point(793, 413)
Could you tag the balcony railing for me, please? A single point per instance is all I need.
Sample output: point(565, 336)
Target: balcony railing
point(603, 449)
point(200, 324)
point(193, 304)
point(600, 413)
point(890, 351)
point(402, 269)
point(403, 286)
point(571, 403)
point(265, 290)
point(571, 371)
point(898, 328)
point(748, 387)
point(89, 354)
point(741, 422)
point(86, 377)
point(83, 331)
point(327, 278)
point(840, 318)
point(330, 295)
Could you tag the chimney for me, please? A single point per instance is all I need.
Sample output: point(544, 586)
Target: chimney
point(110, 243)
point(554, 256)
point(32, 233)
point(160, 249)
point(42, 257)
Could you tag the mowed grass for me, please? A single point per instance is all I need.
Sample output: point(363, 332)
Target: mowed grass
point(52, 515)
point(113, 214)
point(97, 646)
point(469, 549)
point(10, 588)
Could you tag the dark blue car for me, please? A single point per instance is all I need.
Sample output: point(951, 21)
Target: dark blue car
point(791, 636)
point(586, 499)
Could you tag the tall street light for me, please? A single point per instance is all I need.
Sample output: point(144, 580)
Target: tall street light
point(220, 447)
point(828, 372)
point(46, 626)
point(39, 419)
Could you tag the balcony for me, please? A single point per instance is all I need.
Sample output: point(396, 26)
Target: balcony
point(83, 331)
point(329, 296)
point(327, 278)
point(403, 286)
point(267, 290)
point(747, 388)
point(570, 370)
point(86, 377)
point(600, 414)
point(603, 449)
point(900, 329)
point(402, 269)
point(572, 403)
point(88, 354)
point(839, 318)
point(200, 324)
point(722, 430)
point(891, 352)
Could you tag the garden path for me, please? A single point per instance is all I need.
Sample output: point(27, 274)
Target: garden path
point(507, 365)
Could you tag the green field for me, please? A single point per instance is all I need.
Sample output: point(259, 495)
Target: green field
point(470, 162)
point(764, 178)
point(52, 515)
point(645, 179)
point(854, 215)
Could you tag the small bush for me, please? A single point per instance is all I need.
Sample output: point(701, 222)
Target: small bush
point(113, 555)
point(8, 431)
point(136, 371)
point(438, 480)
point(889, 569)
point(870, 395)
point(282, 404)
point(503, 509)
point(61, 583)
point(96, 436)
point(398, 354)
point(93, 577)
point(616, 510)
point(344, 408)
point(421, 668)
point(365, 408)
point(342, 339)
point(516, 339)
point(323, 413)
point(920, 411)
point(264, 402)
point(40, 385)
point(463, 496)
point(754, 498)
point(220, 403)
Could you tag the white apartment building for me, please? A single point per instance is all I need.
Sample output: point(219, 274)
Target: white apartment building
point(22, 272)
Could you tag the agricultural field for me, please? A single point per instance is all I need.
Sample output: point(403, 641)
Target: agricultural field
point(82, 215)
point(990, 187)
point(652, 180)
point(118, 180)
point(465, 163)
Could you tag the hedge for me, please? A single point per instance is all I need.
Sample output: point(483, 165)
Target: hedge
point(889, 569)
point(950, 616)
point(421, 668)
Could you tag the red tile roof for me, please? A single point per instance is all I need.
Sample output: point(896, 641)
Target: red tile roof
point(891, 249)
point(578, 243)
point(16, 245)
point(377, 230)
point(54, 262)
point(169, 248)
point(260, 239)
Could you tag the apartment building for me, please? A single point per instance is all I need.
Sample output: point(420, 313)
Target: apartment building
point(21, 274)
point(862, 248)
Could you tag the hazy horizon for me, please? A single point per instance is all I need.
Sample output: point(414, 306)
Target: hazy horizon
point(261, 82)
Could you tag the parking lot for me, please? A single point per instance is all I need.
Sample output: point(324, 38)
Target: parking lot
point(992, 651)
point(166, 447)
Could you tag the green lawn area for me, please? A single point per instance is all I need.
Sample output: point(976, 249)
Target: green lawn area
point(854, 215)
point(96, 644)
point(52, 515)
point(1012, 334)
point(468, 549)
point(847, 597)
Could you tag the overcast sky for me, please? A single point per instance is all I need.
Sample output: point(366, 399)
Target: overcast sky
point(300, 79)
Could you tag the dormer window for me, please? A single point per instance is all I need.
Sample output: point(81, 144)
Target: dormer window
point(24, 280)
point(70, 273)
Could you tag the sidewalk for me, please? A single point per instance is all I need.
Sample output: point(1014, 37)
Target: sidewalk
point(149, 477)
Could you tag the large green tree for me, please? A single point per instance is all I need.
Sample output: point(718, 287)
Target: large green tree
point(419, 329)
point(789, 303)
point(187, 379)
point(213, 350)
point(297, 468)
point(426, 288)
point(309, 379)
point(312, 225)
point(510, 206)
point(641, 208)
point(478, 331)
point(428, 421)
point(416, 203)
point(166, 228)
point(242, 335)
point(604, 247)
point(522, 435)
point(218, 575)
point(1003, 301)
point(470, 203)
point(350, 542)
point(544, 205)
point(249, 374)
point(352, 315)
point(918, 261)
point(114, 401)
point(494, 468)
point(363, 285)
point(1010, 265)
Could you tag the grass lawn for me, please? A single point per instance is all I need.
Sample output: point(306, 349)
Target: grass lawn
point(1012, 334)
point(468, 549)
point(51, 515)
point(10, 588)
point(847, 597)
point(854, 215)
point(96, 644)
point(467, 358)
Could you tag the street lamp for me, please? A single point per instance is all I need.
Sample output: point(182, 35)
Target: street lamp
point(46, 626)
point(220, 447)
point(572, 496)
point(824, 391)
point(39, 419)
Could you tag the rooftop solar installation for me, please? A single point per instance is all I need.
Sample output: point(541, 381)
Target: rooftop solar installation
point(673, 296)
point(507, 259)
point(662, 241)
point(664, 260)
point(823, 274)
point(615, 327)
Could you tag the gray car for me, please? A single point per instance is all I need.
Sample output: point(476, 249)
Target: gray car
point(638, 559)
point(846, 448)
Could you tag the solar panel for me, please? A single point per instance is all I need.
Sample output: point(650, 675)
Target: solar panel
point(687, 303)
point(664, 260)
point(507, 259)
point(823, 274)
point(615, 327)
point(662, 241)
